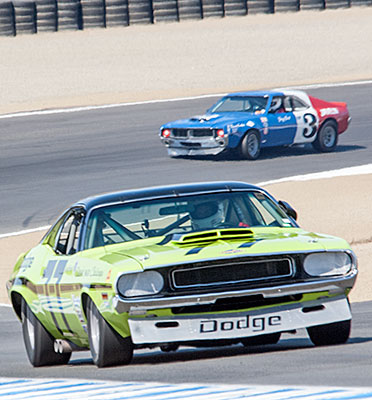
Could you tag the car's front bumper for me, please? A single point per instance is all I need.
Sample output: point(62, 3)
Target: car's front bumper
point(323, 302)
point(332, 286)
point(156, 330)
point(194, 146)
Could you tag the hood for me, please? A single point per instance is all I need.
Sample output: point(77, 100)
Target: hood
point(223, 243)
point(212, 120)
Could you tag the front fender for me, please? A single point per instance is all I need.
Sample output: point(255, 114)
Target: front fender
point(103, 300)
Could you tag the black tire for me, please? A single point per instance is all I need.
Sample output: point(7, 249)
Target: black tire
point(107, 347)
point(335, 333)
point(38, 342)
point(327, 137)
point(250, 147)
point(270, 338)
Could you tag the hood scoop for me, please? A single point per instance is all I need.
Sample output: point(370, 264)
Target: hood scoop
point(212, 236)
point(204, 118)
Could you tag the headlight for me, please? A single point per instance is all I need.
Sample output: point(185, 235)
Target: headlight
point(326, 264)
point(141, 284)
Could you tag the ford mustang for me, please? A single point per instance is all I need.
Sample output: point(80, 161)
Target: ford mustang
point(245, 122)
point(188, 265)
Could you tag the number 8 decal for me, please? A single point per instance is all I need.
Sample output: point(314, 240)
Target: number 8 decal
point(310, 125)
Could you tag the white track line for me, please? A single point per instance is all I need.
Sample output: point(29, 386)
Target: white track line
point(25, 231)
point(357, 170)
point(104, 106)
point(349, 171)
point(115, 105)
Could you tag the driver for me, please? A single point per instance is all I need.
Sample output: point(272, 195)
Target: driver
point(207, 215)
point(277, 105)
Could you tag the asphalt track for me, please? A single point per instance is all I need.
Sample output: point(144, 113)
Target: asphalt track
point(50, 161)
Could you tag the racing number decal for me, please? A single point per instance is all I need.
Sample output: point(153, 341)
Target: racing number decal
point(55, 270)
point(310, 125)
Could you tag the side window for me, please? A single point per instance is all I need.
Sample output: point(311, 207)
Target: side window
point(288, 104)
point(298, 104)
point(69, 234)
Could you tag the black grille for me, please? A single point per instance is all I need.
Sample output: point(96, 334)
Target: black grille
point(197, 133)
point(191, 144)
point(179, 133)
point(227, 273)
point(201, 132)
point(236, 303)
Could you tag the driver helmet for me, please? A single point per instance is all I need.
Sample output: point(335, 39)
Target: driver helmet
point(276, 104)
point(207, 215)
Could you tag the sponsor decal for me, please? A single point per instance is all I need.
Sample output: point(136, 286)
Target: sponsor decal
point(235, 127)
point(248, 323)
point(232, 251)
point(284, 119)
point(250, 124)
point(265, 126)
point(91, 271)
point(26, 263)
point(328, 111)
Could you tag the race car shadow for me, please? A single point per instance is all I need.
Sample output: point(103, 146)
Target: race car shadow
point(274, 152)
point(190, 354)
point(303, 150)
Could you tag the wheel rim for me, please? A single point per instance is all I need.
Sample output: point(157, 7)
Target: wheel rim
point(252, 145)
point(329, 136)
point(94, 330)
point(30, 330)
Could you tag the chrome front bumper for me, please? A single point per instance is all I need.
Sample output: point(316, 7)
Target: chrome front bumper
point(334, 286)
point(194, 147)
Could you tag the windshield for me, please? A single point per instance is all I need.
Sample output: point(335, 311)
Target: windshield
point(250, 104)
point(144, 219)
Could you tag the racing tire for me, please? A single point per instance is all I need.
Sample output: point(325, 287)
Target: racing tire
point(270, 338)
point(335, 333)
point(107, 347)
point(327, 137)
point(250, 146)
point(39, 343)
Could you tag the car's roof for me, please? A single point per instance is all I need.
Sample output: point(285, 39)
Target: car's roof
point(163, 191)
point(255, 93)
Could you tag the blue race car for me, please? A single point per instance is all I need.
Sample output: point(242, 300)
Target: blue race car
point(249, 121)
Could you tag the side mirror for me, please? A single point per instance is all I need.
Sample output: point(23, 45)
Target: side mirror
point(288, 209)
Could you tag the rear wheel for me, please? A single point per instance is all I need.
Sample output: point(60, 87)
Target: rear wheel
point(106, 346)
point(38, 342)
point(250, 146)
point(335, 333)
point(327, 137)
point(270, 338)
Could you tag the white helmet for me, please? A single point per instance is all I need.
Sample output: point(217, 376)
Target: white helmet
point(207, 215)
point(276, 104)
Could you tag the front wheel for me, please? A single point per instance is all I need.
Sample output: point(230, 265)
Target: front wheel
point(327, 137)
point(335, 333)
point(38, 342)
point(250, 146)
point(107, 347)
